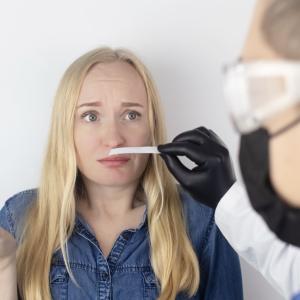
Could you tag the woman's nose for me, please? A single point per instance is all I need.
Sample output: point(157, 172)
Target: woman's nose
point(112, 136)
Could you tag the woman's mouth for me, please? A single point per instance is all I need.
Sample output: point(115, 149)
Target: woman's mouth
point(114, 160)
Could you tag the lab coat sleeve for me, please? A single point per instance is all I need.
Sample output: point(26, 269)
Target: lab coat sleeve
point(248, 234)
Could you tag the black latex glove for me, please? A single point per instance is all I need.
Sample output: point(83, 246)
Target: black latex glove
point(213, 175)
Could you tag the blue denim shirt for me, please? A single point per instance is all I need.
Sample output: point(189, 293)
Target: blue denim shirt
point(127, 273)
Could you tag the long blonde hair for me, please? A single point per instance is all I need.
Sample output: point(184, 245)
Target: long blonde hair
point(51, 218)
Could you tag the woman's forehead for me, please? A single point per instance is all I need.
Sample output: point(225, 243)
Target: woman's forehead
point(116, 79)
point(113, 71)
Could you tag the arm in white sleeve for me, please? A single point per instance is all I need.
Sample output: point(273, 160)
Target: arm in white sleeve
point(248, 234)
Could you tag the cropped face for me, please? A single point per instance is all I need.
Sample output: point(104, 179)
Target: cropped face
point(285, 148)
point(111, 112)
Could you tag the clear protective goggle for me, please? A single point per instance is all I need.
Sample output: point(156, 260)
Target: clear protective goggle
point(255, 91)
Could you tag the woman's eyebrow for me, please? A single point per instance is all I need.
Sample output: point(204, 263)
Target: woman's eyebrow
point(98, 103)
point(129, 104)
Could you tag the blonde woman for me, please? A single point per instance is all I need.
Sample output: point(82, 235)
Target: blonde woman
point(111, 227)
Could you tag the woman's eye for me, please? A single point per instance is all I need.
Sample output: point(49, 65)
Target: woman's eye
point(89, 117)
point(132, 115)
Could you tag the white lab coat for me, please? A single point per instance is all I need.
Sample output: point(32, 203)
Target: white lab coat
point(248, 234)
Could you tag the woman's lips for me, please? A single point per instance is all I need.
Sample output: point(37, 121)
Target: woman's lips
point(114, 161)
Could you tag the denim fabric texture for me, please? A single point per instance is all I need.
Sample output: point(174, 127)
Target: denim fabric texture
point(127, 273)
point(296, 297)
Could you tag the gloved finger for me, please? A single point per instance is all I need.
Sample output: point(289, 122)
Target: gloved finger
point(203, 130)
point(211, 135)
point(187, 149)
point(216, 138)
point(179, 171)
point(195, 136)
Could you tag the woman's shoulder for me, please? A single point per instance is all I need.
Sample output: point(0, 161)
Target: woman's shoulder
point(18, 202)
point(15, 208)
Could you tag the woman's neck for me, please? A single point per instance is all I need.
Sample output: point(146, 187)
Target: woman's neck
point(109, 201)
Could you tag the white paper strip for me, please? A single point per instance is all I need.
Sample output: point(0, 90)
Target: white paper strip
point(124, 150)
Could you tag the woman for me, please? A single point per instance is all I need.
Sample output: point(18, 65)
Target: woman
point(117, 227)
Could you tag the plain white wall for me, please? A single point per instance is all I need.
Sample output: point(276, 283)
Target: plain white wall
point(184, 44)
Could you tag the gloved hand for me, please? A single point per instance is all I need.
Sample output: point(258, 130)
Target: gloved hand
point(213, 175)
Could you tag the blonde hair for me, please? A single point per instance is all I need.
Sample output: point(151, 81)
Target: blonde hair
point(51, 218)
point(281, 27)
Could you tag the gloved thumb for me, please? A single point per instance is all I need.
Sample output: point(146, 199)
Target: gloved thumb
point(179, 171)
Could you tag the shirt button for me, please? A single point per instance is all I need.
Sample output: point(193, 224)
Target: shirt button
point(104, 276)
point(126, 235)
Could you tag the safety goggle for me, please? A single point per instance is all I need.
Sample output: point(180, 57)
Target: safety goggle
point(255, 91)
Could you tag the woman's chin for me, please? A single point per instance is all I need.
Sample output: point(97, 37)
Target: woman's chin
point(114, 181)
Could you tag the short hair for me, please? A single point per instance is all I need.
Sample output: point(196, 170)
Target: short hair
point(281, 27)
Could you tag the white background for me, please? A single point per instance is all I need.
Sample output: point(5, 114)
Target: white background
point(183, 42)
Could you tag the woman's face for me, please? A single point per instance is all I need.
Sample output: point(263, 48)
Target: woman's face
point(111, 112)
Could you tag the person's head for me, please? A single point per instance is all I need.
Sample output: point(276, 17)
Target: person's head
point(110, 101)
point(274, 37)
point(105, 99)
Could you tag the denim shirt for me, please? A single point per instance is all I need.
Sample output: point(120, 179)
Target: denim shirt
point(127, 273)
